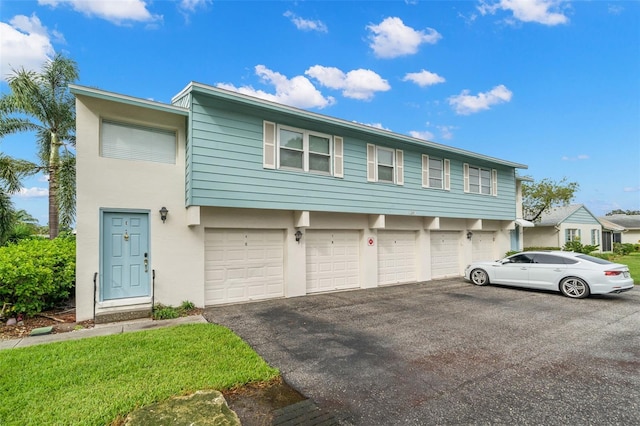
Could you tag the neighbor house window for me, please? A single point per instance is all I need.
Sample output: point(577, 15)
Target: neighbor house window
point(435, 173)
point(385, 164)
point(572, 235)
point(298, 149)
point(478, 180)
point(133, 142)
point(595, 237)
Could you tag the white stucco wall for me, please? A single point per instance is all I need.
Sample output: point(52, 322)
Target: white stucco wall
point(176, 250)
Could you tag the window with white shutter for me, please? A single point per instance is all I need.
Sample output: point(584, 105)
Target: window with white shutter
point(269, 145)
point(399, 167)
point(338, 160)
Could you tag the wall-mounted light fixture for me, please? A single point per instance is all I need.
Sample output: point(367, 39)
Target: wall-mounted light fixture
point(298, 236)
point(469, 235)
point(163, 213)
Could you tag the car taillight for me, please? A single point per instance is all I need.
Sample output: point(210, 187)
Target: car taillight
point(612, 273)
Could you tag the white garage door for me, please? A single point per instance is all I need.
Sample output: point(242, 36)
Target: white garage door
point(445, 254)
point(482, 246)
point(333, 260)
point(242, 265)
point(396, 257)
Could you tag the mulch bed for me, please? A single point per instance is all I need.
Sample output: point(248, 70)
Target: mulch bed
point(62, 321)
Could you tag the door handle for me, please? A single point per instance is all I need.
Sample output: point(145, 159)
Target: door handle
point(146, 262)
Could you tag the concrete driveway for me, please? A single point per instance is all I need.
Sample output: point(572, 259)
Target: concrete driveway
point(448, 352)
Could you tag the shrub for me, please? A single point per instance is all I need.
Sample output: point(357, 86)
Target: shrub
point(161, 312)
point(623, 249)
point(36, 274)
point(187, 306)
point(578, 247)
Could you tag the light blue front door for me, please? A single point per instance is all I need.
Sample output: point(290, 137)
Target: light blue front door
point(125, 255)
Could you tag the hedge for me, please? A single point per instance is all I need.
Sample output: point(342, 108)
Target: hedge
point(37, 274)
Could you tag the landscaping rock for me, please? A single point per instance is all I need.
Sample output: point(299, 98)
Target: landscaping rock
point(203, 408)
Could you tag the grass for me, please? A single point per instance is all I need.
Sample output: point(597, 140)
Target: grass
point(633, 262)
point(94, 381)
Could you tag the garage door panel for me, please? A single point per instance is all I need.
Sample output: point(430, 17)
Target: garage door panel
point(332, 260)
point(482, 246)
point(243, 265)
point(396, 257)
point(445, 254)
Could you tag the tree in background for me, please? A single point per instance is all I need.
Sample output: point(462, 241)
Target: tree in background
point(11, 172)
point(538, 198)
point(42, 103)
point(627, 212)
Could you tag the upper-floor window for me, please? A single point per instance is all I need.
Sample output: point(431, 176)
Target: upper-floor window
point(435, 173)
point(478, 180)
point(298, 149)
point(133, 142)
point(385, 164)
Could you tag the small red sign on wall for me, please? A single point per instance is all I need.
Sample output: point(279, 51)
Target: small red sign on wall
point(370, 242)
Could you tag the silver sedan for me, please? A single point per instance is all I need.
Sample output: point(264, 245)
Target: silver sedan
point(576, 275)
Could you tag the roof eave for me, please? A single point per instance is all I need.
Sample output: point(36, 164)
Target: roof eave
point(129, 100)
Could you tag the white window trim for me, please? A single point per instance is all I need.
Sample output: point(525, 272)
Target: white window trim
point(305, 149)
point(493, 185)
point(446, 173)
point(397, 164)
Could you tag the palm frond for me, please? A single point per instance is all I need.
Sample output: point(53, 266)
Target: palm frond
point(67, 189)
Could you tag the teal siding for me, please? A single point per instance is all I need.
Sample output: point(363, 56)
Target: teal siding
point(582, 216)
point(225, 169)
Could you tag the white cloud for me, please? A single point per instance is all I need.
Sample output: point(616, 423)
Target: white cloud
point(446, 131)
point(392, 38)
point(465, 104)
point(297, 91)
point(631, 189)
point(424, 78)
point(424, 135)
point(306, 24)
point(578, 158)
point(356, 84)
point(33, 192)
point(115, 11)
point(374, 125)
point(546, 12)
point(25, 43)
point(192, 5)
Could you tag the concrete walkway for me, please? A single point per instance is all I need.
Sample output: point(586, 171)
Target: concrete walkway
point(100, 330)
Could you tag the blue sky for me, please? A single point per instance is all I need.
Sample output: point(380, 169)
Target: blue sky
point(548, 83)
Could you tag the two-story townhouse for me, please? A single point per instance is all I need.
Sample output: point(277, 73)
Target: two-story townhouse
point(222, 198)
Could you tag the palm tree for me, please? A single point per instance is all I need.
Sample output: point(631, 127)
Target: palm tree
point(41, 102)
point(11, 171)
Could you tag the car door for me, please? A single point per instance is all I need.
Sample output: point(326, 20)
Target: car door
point(513, 270)
point(546, 270)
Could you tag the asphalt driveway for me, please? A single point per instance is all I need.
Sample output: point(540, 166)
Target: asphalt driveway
point(448, 352)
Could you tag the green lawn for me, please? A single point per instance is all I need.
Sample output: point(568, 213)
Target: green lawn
point(633, 262)
point(93, 381)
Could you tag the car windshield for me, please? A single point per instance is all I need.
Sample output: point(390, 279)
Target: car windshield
point(594, 259)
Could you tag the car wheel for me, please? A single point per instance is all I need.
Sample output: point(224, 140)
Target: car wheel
point(575, 288)
point(479, 277)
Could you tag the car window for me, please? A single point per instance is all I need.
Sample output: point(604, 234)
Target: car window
point(549, 259)
point(593, 259)
point(521, 258)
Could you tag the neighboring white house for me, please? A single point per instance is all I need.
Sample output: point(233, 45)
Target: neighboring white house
point(224, 198)
point(563, 224)
point(630, 225)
